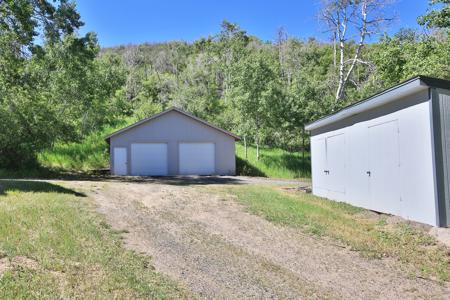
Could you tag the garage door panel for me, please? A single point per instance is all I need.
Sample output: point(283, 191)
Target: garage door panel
point(149, 159)
point(196, 158)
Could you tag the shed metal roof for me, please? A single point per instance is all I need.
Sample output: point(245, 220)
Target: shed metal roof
point(236, 137)
point(391, 94)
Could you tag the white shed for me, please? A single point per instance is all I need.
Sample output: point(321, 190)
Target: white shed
point(388, 153)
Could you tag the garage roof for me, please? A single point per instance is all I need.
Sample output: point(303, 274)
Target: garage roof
point(165, 112)
point(394, 93)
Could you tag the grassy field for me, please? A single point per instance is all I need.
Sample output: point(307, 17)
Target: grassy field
point(273, 162)
point(373, 236)
point(53, 246)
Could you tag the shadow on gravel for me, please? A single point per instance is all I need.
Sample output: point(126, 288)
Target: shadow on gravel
point(173, 180)
point(28, 176)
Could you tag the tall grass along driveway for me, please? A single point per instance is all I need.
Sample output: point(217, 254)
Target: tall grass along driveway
point(253, 241)
point(53, 246)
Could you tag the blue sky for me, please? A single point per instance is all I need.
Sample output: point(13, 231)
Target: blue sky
point(135, 21)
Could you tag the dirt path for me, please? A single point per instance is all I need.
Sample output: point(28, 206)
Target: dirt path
point(215, 248)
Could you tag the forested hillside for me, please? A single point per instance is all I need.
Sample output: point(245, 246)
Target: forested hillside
point(65, 88)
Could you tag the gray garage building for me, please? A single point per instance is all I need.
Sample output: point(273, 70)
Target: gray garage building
point(172, 142)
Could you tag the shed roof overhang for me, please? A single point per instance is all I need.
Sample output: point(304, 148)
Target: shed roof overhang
point(392, 94)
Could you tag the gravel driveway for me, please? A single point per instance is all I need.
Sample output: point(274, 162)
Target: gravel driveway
point(210, 244)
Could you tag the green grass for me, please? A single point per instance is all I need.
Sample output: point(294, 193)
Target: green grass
point(65, 250)
point(273, 162)
point(89, 154)
point(353, 227)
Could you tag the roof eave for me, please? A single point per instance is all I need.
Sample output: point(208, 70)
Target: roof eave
point(406, 88)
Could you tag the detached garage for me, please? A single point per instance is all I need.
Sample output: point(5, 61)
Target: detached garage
point(172, 143)
point(389, 153)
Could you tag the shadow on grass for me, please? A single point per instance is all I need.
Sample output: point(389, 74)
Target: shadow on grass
point(244, 168)
point(7, 185)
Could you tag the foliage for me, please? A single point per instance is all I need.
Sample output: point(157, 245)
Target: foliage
point(353, 227)
point(437, 18)
point(89, 154)
point(25, 116)
point(256, 92)
point(408, 54)
point(49, 92)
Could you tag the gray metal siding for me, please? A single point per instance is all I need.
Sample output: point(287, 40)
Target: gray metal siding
point(441, 124)
point(174, 128)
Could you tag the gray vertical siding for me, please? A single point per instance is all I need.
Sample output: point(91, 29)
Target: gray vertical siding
point(441, 126)
point(174, 128)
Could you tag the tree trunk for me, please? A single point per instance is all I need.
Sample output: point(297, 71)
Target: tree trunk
point(245, 146)
point(257, 149)
point(334, 50)
point(341, 83)
point(344, 76)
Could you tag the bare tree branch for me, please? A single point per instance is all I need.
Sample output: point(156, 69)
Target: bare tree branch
point(359, 19)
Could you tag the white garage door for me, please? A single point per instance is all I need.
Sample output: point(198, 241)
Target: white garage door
point(197, 158)
point(149, 159)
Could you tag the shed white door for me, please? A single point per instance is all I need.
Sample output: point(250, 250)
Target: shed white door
point(384, 168)
point(319, 163)
point(149, 159)
point(328, 164)
point(336, 163)
point(120, 161)
point(197, 158)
